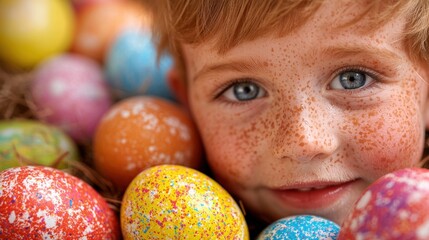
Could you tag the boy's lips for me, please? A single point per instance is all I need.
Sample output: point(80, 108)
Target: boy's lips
point(314, 195)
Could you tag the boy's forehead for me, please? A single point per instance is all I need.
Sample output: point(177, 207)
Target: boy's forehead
point(340, 17)
point(334, 19)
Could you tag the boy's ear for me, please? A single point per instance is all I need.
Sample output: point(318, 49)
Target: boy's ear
point(426, 115)
point(425, 76)
point(178, 86)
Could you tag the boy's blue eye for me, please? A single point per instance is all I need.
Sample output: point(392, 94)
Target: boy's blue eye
point(243, 91)
point(351, 79)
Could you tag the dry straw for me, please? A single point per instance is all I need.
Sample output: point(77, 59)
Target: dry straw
point(16, 103)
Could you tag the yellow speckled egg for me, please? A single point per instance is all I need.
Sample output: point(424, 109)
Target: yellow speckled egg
point(177, 202)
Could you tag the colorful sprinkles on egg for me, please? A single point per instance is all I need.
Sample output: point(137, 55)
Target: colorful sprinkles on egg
point(175, 202)
point(45, 203)
point(301, 227)
point(394, 207)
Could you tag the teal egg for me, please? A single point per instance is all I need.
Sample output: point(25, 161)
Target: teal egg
point(132, 68)
point(301, 227)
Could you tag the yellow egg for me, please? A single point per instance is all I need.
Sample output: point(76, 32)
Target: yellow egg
point(177, 202)
point(32, 30)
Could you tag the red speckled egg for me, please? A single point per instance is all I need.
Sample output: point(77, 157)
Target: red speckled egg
point(46, 203)
point(141, 132)
point(393, 207)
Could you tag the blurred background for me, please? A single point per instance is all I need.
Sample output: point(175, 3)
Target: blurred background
point(64, 65)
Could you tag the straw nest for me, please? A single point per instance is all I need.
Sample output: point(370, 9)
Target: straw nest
point(16, 102)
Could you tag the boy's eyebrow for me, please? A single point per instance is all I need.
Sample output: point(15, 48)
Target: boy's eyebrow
point(248, 65)
point(383, 54)
point(252, 64)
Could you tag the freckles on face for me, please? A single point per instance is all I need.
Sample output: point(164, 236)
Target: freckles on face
point(307, 131)
point(230, 148)
point(300, 115)
point(390, 135)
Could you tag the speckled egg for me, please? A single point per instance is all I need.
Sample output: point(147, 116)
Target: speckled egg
point(46, 203)
point(132, 68)
point(393, 207)
point(141, 132)
point(29, 142)
point(176, 202)
point(71, 93)
point(301, 227)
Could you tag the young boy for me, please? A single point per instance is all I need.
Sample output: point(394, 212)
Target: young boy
point(301, 104)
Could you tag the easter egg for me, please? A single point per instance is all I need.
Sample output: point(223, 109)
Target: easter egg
point(393, 207)
point(33, 30)
point(301, 227)
point(34, 143)
point(81, 4)
point(71, 93)
point(132, 67)
point(98, 25)
point(176, 202)
point(140, 132)
point(45, 203)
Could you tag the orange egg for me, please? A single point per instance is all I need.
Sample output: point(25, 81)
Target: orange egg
point(141, 132)
point(81, 4)
point(98, 25)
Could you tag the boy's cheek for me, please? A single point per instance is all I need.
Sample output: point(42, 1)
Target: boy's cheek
point(227, 161)
point(388, 149)
point(230, 160)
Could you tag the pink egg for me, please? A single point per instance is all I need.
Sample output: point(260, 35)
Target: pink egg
point(46, 203)
point(71, 93)
point(393, 207)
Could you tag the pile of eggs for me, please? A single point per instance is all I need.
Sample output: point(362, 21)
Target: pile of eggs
point(97, 85)
point(97, 82)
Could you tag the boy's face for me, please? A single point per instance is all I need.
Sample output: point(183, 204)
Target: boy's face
point(302, 124)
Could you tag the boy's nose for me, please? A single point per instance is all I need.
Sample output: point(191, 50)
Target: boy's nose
point(306, 132)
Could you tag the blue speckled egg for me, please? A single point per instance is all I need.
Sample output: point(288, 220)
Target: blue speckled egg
point(301, 227)
point(132, 68)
